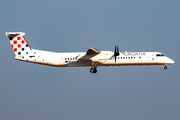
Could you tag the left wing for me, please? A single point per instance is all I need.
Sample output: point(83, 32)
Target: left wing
point(90, 54)
point(92, 51)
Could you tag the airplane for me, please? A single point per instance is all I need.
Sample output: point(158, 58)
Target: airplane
point(91, 58)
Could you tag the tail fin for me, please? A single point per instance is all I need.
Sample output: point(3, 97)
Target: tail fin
point(19, 44)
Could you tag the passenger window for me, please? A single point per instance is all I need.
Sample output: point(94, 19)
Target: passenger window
point(128, 57)
point(123, 57)
point(70, 58)
point(139, 57)
point(65, 58)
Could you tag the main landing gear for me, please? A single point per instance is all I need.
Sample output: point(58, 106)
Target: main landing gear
point(165, 67)
point(93, 70)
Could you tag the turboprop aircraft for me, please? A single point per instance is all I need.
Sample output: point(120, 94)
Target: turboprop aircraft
point(91, 58)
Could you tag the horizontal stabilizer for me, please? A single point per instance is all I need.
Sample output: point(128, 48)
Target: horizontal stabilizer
point(15, 33)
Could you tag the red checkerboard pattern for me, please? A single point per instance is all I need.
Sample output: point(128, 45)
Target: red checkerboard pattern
point(19, 45)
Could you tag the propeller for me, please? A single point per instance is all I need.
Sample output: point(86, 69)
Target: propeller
point(116, 52)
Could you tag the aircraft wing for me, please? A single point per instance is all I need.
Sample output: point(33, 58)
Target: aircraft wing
point(92, 51)
point(91, 54)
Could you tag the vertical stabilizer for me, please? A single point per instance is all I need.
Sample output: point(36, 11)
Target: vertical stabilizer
point(19, 44)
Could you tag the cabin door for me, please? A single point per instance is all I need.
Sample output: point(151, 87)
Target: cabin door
point(61, 60)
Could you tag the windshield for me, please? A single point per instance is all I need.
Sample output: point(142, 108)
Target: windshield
point(158, 55)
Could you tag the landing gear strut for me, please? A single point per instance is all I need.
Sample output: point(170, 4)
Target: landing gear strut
point(165, 67)
point(93, 68)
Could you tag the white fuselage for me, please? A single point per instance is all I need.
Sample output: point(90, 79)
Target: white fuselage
point(80, 59)
point(92, 57)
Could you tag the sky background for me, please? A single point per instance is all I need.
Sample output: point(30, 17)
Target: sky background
point(35, 92)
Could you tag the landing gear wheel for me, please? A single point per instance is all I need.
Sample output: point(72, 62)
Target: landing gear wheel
point(93, 70)
point(165, 67)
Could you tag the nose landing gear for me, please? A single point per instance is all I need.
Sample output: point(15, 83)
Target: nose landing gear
point(165, 67)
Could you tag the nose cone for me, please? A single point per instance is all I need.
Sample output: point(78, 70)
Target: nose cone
point(169, 61)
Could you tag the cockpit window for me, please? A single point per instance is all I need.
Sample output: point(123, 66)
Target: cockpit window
point(158, 55)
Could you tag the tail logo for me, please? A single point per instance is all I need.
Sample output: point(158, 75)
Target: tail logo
point(18, 43)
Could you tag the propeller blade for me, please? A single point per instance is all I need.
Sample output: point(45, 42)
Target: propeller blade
point(116, 52)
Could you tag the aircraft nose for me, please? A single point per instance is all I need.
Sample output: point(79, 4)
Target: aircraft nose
point(172, 62)
point(169, 61)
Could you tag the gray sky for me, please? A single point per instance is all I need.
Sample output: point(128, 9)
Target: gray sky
point(33, 92)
